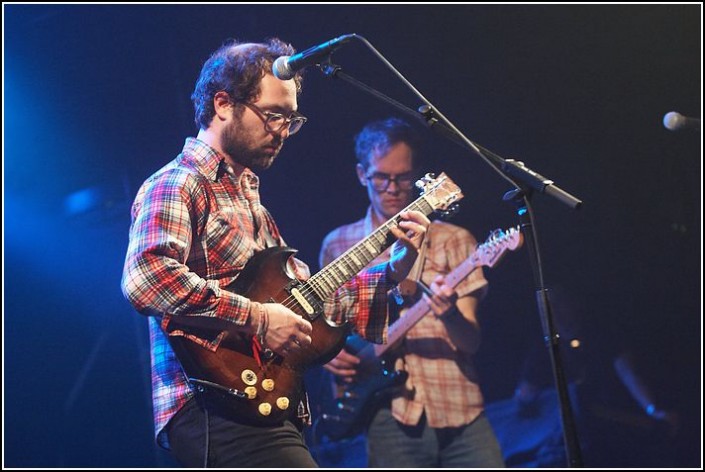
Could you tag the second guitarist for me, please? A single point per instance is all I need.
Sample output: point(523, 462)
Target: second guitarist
point(436, 419)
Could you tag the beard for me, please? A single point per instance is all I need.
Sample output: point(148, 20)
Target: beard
point(241, 146)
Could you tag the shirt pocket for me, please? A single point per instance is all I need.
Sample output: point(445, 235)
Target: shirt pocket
point(227, 251)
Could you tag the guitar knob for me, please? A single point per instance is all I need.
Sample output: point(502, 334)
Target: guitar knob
point(265, 409)
point(282, 403)
point(251, 392)
point(268, 384)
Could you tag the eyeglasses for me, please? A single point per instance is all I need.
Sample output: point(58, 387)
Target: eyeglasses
point(275, 122)
point(381, 181)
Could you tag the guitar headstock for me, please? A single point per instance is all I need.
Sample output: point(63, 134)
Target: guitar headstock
point(491, 251)
point(440, 192)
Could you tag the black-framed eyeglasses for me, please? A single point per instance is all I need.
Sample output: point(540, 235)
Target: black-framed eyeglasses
point(381, 181)
point(275, 122)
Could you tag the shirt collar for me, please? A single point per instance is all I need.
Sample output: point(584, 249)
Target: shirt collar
point(368, 222)
point(209, 162)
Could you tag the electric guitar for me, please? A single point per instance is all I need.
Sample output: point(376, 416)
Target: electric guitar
point(257, 384)
point(349, 413)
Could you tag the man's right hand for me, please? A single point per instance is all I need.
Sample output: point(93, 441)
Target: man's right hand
point(343, 366)
point(287, 332)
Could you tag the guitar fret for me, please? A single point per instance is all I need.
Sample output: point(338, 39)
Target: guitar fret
point(336, 276)
point(371, 247)
point(350, 269)
point(326, 284)
point(381, 238)
point(365, 257)
point(334, 279)
point(355, 260)
point(423, 206)
point(316, 287)
point(342, 273)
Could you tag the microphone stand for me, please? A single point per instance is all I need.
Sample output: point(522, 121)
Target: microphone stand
point(525, 181)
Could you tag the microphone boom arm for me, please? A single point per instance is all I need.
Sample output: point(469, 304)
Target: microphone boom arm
point(434, 119)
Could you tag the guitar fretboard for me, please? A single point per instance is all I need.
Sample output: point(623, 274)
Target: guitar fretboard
point(352, 261)
point(414, 314)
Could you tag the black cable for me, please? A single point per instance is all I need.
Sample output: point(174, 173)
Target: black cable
point(208, 439)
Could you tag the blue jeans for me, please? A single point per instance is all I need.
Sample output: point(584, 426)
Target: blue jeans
point(391, 444)
point(231, 443)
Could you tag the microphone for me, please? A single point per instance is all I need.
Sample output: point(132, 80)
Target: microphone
point(286, 67)
point(674, 121)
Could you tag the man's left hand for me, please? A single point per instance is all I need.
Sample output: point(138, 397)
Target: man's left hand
point(413, 226)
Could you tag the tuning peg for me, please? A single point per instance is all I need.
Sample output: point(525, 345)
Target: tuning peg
point(424, 181)
point(496, 233)
point(449, 212)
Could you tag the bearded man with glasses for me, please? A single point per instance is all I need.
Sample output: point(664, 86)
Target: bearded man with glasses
point(196, 223)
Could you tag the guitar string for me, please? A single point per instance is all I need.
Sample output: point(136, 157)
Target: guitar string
point(292, 301)
point(312, 284)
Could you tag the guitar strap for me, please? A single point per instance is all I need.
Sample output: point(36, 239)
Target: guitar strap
point(408, 287)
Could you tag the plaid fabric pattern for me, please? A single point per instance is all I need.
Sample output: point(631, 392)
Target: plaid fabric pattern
point(195, 224)
point(442, 380)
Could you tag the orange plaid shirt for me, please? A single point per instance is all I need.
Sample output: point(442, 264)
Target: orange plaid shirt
point(442, 380)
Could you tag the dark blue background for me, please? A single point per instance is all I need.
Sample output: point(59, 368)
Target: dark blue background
point(97, 97)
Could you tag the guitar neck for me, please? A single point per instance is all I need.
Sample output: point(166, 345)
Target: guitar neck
point(413, 315)
point(352, 261)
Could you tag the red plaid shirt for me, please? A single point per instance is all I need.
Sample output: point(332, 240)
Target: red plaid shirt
point(195, 224)
point(442, 380)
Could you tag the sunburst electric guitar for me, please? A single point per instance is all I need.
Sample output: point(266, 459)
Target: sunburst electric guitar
point(257, 384)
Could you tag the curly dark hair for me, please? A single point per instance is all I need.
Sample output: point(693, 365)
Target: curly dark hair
point(236, 68)
point(379, 136)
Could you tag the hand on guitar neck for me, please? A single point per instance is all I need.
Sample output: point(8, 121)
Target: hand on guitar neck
point(443, 297)
point(406, 248)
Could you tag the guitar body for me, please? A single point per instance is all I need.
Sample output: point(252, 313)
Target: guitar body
point(350, 412)
point(267, 390)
